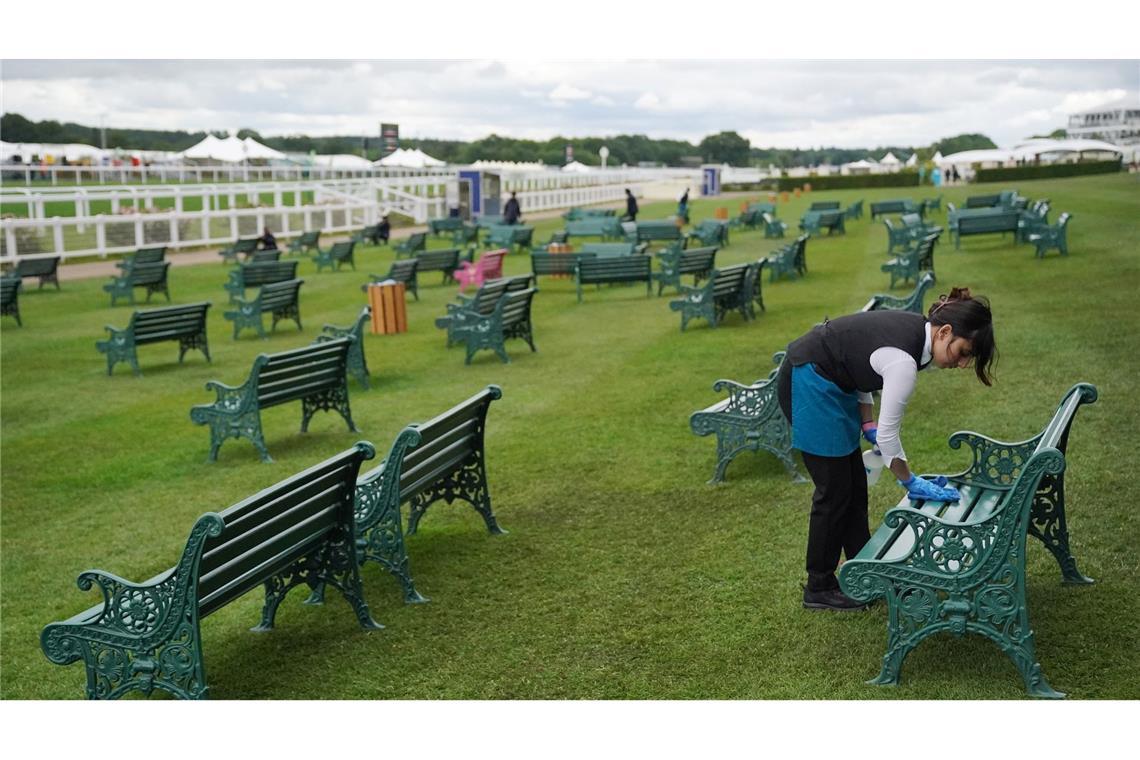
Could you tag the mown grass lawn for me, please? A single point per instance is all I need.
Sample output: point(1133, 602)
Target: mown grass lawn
point(624, 574)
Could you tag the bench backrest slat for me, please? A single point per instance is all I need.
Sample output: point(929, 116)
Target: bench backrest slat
point(174, 320)
point(636, 266)
point(292, 375)
point(268, 531)
point(447, 442)
point(148, 273)
point(265, 272)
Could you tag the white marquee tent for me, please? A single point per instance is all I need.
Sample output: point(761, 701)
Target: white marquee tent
point(577, 167)
point(411, 159)
point(341, 161)
point(231, 150)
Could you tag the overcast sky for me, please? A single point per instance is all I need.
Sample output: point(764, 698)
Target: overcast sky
point(772, 103)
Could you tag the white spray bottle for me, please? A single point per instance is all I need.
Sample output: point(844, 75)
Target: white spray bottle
point(873, 464)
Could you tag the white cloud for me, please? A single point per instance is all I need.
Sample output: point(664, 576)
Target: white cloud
point(568, 92)
point(602, 100)
point(648, 102)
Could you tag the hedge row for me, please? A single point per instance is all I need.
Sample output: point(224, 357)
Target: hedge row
point(1046, 171)
point(788, 184)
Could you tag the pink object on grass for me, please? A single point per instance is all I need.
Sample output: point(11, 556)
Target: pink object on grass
point(488, 267)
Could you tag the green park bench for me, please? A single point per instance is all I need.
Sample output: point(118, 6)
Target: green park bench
point(749, 219)
point(315, 375)
point(813, 222)
point(366, 234)
point(509, 319)
point(142, 256)
point(438, 227)
point(558, 237)
point(241, 247)
point(487, 221)
point(750, 419)
point(604, 227)
point(480, 304)
point(10, 298)
point(854, 211)
point(912, 302)
point(410, 245)
point(824, 206)
point(617, 269)
point(185, 324)
point(897, 206)
point(153, 277)
point(675, 263)
point(907, 265)
point(983, 201)
point(610, 250)
point(931, 204)
point(556, 264)
point(1047, 237)
point(710, 232)
point(510, 236)
point(467, 234)
point(658, 229)
point(333, 258)
point(356, 365)
point(910, 228)
point(959, 567)
point(308, 241)
point(727, 289)
point(577, 213)
point(45, 268)
point(997, 220)
point(256, 274)
point(448, 464)
point(281, 299)
point(790, 259)
point(263, 255)
point(445, 260)
point(773, 227)
point(764, 207)
point(1032, 219)
point(147, 636)
point(402, 270)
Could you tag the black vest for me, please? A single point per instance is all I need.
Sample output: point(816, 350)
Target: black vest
point(841, 348)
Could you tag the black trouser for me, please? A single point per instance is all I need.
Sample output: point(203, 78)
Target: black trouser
point(838, 520)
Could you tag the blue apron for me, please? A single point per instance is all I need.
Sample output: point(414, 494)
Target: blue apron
point(825, 419)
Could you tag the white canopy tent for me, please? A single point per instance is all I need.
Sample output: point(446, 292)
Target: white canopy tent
point(913, 160)
point(410, 159)
point(231, 150)
point(72, 152)
point(341, 161)
point(889, 160)
point(862, 166)
point(577, 167)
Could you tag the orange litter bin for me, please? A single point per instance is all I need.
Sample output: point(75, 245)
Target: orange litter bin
point(389, 310)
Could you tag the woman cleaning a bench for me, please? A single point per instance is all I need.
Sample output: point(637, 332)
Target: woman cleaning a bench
point(824, 389)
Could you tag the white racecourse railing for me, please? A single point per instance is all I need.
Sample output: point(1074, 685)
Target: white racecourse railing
point(102, 234)
point(27, 173)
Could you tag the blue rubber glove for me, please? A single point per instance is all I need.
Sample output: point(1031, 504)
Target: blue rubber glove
point(871, 433)
point(921, 488)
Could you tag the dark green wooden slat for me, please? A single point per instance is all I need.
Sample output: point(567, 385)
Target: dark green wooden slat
point(318, 474)
point(426, 472)
point(274, 504)
point(281, 542)
point(441, 440)
point(473, 409)
point(274, 564)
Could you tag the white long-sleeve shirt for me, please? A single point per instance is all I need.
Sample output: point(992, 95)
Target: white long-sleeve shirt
point(899, 372)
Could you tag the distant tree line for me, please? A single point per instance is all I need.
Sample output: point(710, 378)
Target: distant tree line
point(632, 150)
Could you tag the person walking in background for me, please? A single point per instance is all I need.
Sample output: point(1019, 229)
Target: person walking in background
point(512, 212)
point(824, 389)
point(267, 241)
point(383, 230)
point(683, 207)
point(630, 207)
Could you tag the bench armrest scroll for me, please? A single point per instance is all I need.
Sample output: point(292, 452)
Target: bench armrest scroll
point(995, 463)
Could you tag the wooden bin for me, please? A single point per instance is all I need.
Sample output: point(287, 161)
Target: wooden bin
point(389, 310)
